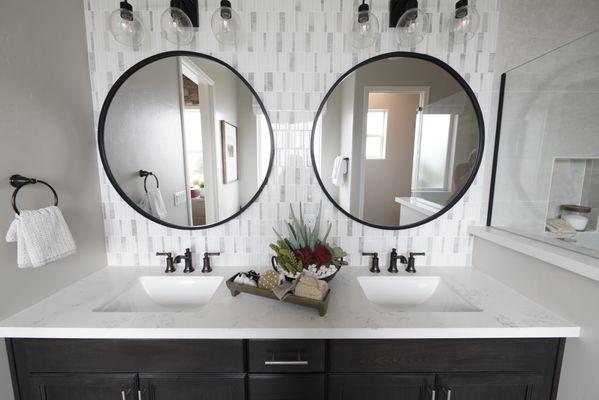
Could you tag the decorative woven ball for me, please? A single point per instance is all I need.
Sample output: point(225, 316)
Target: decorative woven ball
point(269, 280)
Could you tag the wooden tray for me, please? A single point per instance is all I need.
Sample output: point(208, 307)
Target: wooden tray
point(320, 305)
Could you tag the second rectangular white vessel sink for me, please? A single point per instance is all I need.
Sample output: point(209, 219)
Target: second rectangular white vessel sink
point(165, 294)
point(412, 294)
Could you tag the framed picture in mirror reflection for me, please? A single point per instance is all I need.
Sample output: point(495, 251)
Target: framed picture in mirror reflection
point(229, 151)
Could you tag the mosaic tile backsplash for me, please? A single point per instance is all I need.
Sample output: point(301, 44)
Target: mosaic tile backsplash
point(293, 52)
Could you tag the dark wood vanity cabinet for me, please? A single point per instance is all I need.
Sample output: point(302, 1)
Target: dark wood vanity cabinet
point(381, 386)
point(191, 386)
point(426, 369)
point(82, 386)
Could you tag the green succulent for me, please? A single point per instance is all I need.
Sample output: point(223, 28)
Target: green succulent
point(285, 257)
point(302, 237)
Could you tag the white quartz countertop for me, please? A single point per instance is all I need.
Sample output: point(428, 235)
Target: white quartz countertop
point(69, 313)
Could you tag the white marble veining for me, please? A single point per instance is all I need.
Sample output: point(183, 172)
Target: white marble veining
point(69, 313)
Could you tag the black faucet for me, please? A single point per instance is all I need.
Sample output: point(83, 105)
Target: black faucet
point(374, 268)
point(411, 268)
point(188, 261)
point(393, 261)
point(170, 266)
point(206, 267)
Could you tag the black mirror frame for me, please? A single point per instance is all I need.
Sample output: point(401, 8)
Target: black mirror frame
point(481, 135)
point(102, 122)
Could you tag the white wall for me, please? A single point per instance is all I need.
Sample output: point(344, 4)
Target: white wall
point(225, 108)
point(391, 177)
point(570, 295)
point(330, 141)
point(247, 140)
point(143, 131)
point(46, 132)
point(347, 141)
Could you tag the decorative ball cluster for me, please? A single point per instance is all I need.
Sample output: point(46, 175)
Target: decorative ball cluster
point(269, 280)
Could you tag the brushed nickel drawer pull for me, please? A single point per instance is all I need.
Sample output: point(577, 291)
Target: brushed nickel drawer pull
point(272, 362)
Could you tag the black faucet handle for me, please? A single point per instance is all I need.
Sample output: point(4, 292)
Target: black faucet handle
point(393, 262)
point(374, 268)
point(206, 261)
point(170, 264)
point(188, 262)
point(422, 253)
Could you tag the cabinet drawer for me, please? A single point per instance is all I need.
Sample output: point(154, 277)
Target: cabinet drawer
point(286, 355)
point(287, 387)
point(448, 355)
point(57, 355)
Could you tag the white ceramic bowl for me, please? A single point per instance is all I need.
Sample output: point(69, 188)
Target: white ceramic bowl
point(578, 222)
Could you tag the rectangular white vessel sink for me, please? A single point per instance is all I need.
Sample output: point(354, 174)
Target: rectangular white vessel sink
point(412, 294)
point(165, 294)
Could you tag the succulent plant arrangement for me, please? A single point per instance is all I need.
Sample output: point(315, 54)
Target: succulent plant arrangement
point(303, 249)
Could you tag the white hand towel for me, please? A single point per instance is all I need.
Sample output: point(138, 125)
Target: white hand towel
point(157, 207)
point(42, 237)
point(337, 174)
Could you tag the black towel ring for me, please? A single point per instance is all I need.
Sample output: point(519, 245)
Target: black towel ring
point(18, 181)
point(145, 174)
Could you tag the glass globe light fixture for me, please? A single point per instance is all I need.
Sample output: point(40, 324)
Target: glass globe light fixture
point(465, 22)
point(365, 27)
point(412, 26)
point(126, 27)
point(175, 25)
point(226, 24)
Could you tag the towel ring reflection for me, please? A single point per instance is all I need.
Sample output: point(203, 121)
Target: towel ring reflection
point(145, 175)
point(18, 181)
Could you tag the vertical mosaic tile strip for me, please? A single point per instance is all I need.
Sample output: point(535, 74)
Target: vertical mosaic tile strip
point(293, 52)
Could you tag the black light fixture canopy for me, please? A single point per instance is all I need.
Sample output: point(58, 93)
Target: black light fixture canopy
point(225, 11)
point(127, 7)
point(461, 9)
point(190, 8)
point(397, 8)
point(363, 17)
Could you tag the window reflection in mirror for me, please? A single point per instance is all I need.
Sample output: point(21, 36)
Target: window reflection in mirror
point(409, 134)
point(197, 127)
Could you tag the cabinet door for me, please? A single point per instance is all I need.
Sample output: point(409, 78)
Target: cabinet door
point(381, 386)
point(192, 386)
point(84, 386)
point(495, 386)
point(287, 387)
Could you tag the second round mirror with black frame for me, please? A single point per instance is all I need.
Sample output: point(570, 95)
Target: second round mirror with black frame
point(397, 140)
point(185, 140)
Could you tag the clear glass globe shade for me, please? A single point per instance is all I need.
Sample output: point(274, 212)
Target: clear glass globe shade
point(365, 29)
point(226, 25)
point(126, 28)
point(411, 28)
point(464, 28)
point(176, 26)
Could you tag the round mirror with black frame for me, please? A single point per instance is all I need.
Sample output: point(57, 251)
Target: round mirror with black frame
point(185, 140)
point(398, 140)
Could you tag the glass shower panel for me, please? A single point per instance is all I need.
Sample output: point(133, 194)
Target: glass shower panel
point(549, 146)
